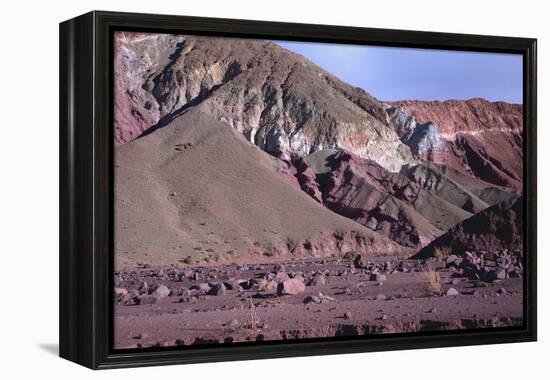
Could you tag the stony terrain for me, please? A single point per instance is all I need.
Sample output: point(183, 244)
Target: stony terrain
point(316, 298)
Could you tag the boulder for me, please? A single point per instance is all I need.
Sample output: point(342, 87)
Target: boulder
point(290, 287)
point(317, 280)
point(161, 291)
point(452, 292)
point(218, 290)
point(360, 261)
point(312, 299)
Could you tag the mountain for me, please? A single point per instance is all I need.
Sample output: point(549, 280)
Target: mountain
point(495, 228)
point(198, 189)
point(237, 149)
point(469, 193)
point(277, 99)
point(385, 202)
point(475, 136)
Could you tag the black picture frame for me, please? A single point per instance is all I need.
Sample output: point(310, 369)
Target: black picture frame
point(86, 186)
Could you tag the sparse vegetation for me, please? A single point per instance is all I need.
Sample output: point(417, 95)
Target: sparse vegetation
point(263, 285)
point(349, 255)
point(432, 280)
point(442, 252)
point(183, 146)
point(253, 318)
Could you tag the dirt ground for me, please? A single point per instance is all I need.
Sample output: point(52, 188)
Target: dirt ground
point(233, 303)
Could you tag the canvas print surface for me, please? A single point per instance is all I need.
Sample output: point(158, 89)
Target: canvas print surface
point(272, 190)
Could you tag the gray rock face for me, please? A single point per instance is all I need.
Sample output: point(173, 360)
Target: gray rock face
point(422, 139)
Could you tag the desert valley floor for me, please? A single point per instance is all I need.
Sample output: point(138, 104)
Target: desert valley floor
point(309, 299)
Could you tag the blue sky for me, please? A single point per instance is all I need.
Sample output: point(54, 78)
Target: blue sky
point(391, 73)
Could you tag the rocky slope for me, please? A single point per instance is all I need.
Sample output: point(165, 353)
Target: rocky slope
point(469, 193)
point(493, 229)
point(277, 99)
point(385, 202)
point(475, 136)
point(206, 194)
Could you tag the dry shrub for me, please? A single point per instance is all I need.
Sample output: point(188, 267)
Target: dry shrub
point(432, 281)
point(183, 146)
point(253, 318)
point(349, 255)
point(442, 252)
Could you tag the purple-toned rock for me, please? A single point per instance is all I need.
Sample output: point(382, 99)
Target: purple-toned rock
point(360, 261)
point(312, 299)
point(281, 276)
point(120, 291)
point(452, 292)
point(161, 291)
point(290, 287)
point(218, 290)
point(317, 280)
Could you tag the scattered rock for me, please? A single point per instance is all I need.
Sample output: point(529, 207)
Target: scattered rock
point(451, 259)
point(360, 261)
point(317, 280)
point(290, 287)
point(312, 299)
point(500, 274)
point(378, 277)
point(281, 276)
point(203, 287)
point(143, 288)
point(161, 291)
point(380, 297)
point(121, 291)
point(233, 285)
point(218, 290)
point(347, 315)
point(452, 292)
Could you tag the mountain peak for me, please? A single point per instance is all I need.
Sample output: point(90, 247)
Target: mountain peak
point(277, 99)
